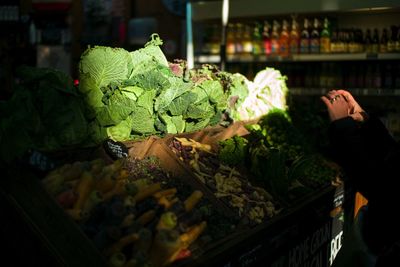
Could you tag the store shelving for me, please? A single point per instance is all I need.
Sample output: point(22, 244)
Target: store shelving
point(354, 91)
point(299, 57)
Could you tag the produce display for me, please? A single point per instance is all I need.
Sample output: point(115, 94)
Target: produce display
point(252, 205)
point(126, 95)
point(136, 214)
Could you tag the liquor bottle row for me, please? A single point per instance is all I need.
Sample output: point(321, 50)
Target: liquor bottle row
point(9, 13)
point(373, 74)
point(282, 39)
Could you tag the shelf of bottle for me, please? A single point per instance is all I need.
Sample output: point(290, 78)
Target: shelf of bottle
point(354, 91)
point(299, 57)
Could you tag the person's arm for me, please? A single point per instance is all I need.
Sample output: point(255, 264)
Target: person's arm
point(364, 149)
point(362, 145)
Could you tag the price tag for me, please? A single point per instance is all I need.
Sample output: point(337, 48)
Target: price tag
point(115, 149)
point(40, 161)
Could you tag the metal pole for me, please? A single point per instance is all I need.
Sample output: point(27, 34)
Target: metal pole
point(189, 38)
point(225, 16)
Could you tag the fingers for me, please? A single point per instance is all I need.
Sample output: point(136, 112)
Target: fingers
point(327, 101)
point(346, 95)
point(357, 116)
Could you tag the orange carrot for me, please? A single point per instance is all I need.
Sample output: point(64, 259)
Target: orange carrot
point(165, 193)
point(166, 244)
point(190, 236)
point(147, 191)
point(105, 183)
point(84, 187)
point(146, 217)
point(192, 200)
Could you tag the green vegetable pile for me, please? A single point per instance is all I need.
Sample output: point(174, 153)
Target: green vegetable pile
point(279, 158)
point(233, 151)
point(126, 95)
point(254, 99)
point(45, 113)
point(136, 94)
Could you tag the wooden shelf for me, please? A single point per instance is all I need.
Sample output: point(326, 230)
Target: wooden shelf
point(299, 58)
point(354, 91)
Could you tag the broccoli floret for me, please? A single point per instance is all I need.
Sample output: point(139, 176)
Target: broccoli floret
point(233, 151)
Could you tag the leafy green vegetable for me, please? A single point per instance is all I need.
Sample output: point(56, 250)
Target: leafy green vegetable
point(45, 113)
point(102, 65)
point(142, 121)
point(180, 104)
point(233, 151)
point(177, 88)
point(121, 131)
point(116, 109)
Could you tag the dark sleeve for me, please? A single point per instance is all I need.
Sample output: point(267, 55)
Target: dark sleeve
point(368, 154)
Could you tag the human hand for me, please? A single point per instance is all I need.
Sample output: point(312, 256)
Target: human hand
point(341, 103)
point(337, 105)
point(356, 111)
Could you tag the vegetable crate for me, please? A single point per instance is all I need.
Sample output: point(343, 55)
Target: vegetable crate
point(310, 234)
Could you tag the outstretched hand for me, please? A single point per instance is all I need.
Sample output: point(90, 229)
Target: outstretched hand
point(341, 104)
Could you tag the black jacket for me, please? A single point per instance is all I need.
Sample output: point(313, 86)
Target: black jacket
point(370, 158)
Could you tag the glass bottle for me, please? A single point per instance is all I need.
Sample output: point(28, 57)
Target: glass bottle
point(257, 40)
point(375, 42)
point(247, 43)
point(266, 38)
point(346, 41)
point(230, 39)
point(340, 47)
point(275, 39)
point(314, 38)
point(238, 38)
point(294, 38)
point(383, 45)
point(305, 38)
point(215, 40)
point(325, 38)
point(359, 40)
point(353, 46)
point(284, 40)
point(368, 41)
point(333, 46)
point(397, 41)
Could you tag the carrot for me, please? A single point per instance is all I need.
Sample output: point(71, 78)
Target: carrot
point(163, 201)
point(83, 189)
point(122, 187)
point(166, 244)
point(190, 236)
point(165, 193)
point(146, 217)
point(122, 174)
point(147, 191)
point(192, 200)
point(105, 183)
